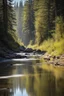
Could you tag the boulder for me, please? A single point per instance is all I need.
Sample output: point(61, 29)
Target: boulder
point(20, 56)
point(22, 48)
point(28, 50)
point(15, 56)
point(62, 56)
point(39, 52)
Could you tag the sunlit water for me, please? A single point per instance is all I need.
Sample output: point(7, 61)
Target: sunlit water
point(31, 78)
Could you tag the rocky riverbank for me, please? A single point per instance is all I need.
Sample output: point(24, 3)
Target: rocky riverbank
point(23, 52)
point(55, 60)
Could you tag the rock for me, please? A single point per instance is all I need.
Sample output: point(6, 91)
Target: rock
point(62, 56)
point(15, 56)
point(2, 54)
point(46, 58)
point(56, 63)
point(19, 56)
point(39, 52)
point(1, 58)
point(58, 57)
point(28, 50)
point(54, 57)
point(43, 52)
point(22, 48)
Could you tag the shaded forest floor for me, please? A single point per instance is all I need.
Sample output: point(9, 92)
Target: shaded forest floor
point(23, 52)
point(54, 48)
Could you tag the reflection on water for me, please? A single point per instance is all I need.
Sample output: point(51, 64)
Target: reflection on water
point(19, 93)
point(31, 79)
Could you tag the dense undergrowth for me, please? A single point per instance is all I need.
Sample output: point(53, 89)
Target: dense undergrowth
point(51, 46)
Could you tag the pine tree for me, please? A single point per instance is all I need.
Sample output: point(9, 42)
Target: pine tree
point(5, 16)
point(11, 17)
point(28, 22)
point(59, 20)
point(44, 19)
point(51, 17)
point(41, 20)
point(20, 20)
point(1, 18)
point(12, 35)
point(8, 21)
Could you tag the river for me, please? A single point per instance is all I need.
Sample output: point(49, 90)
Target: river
point(31, 77)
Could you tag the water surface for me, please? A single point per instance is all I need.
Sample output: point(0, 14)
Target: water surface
point(31, 78)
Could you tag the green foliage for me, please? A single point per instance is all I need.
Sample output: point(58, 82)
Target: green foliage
point(52, 47)
point(8, 34)
point(44, 12)
point(28, 22)
point(49, 22)
point(59, 28)
point(19, 19)
point(40, 20)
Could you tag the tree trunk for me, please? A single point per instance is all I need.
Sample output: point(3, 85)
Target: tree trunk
point(5, 21)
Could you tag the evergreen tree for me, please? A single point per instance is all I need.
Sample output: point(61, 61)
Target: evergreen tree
point(59, 19)
point(44, 19)
point(8, 21)
point(5, 16)
point(41, 20)
point(1, 18)
point(28, 22)
point(51, 15)
point(20, 20)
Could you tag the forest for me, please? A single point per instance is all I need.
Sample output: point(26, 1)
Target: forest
point(31, 47)
point(36, 24)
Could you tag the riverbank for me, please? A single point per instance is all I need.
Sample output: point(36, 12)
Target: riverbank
point(54, 50)
point(55, 60)
point(22, 53)
point(27, 53)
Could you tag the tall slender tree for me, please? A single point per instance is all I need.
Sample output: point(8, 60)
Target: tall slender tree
point(1, 18)
point(5, 16)
point(8, 21)
point(41, 20)
point(20, 20)
point(28, 22)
